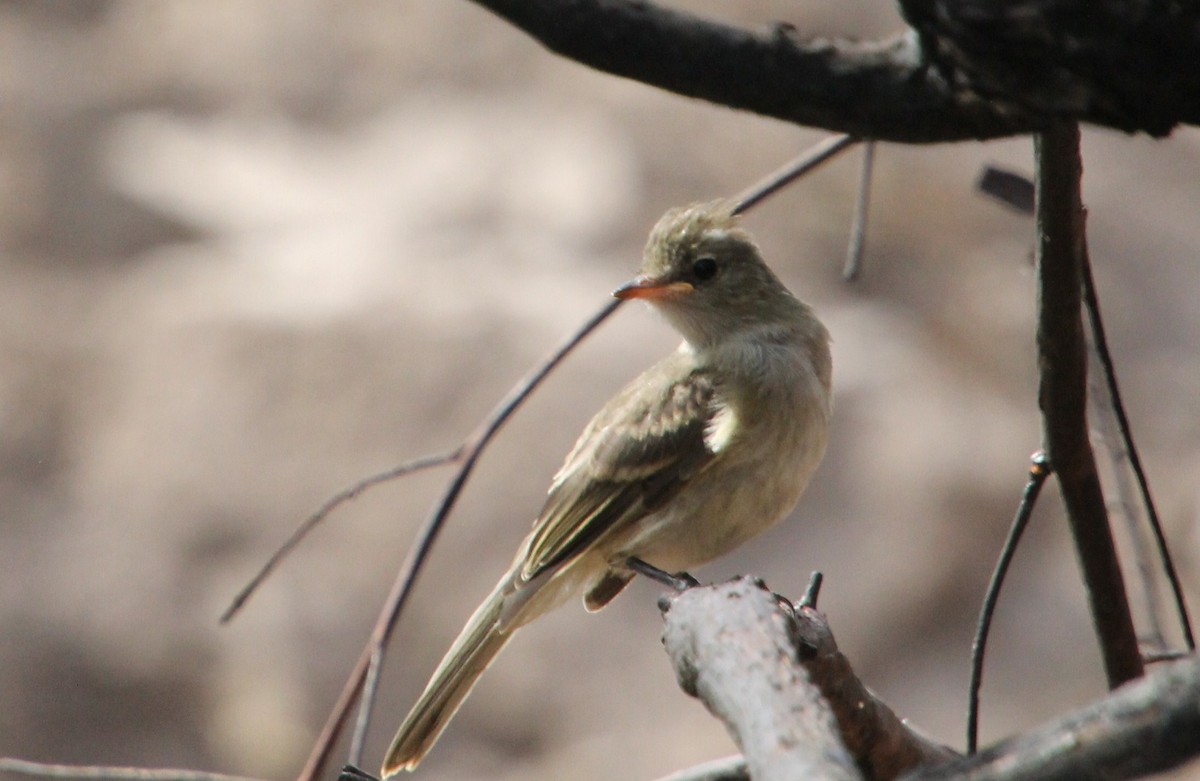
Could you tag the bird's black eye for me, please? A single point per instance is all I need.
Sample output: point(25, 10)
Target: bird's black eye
point(705, 268)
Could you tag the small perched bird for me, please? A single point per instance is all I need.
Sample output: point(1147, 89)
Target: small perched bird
point(708, 448)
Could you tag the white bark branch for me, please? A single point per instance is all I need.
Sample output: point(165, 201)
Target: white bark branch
point(792, 703)
point(774, 676)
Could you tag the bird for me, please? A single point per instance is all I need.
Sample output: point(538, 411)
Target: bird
point(706, 449)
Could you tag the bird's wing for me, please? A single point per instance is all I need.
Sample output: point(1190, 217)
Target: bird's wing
point(635, 455)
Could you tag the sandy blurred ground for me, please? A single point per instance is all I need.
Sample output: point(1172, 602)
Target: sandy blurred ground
point(254, 251)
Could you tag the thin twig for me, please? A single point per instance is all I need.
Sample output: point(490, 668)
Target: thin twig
point(1124, 505)
point(812, 157)
point(472, 447)
point(366, 705)
point(858, 229)
point(1092, 303)
point(1062, 395)
point(322, 512)
point(812, 592)
point(1038, 472)
point(102, 772)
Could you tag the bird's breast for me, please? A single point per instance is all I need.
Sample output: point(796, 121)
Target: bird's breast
point(767, 436)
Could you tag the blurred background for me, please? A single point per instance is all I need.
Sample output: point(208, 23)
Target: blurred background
point(252, 252)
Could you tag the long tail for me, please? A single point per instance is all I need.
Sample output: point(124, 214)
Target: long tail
point(477, 645)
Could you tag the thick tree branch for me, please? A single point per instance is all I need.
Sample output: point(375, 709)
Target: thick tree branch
point(1144, 727)
point(975, 71)
point(1062, 396)
point(1127, 65)
point(871, 90)
point(776, 716)
point(784, 691)
point(790, 699)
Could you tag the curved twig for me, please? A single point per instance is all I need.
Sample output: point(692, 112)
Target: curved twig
point(322, 512)
point(1039, 470)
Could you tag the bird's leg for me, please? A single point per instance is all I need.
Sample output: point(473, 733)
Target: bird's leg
point(680, 581)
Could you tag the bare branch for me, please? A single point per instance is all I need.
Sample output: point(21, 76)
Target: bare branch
point(1104, 356)
point(1144, 727)
point(878, 90)
point(110, 773)
point(858, 229)
point(774, 675)
point(1116, 64)
point(1038, 472)
point(883, 745)
point(1062, 396)
point(755, 664)
point(816, 155)
point(777, 716)
point(322, 512)
point(974, 71)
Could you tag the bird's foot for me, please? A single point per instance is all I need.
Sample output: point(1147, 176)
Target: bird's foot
point(680, 581)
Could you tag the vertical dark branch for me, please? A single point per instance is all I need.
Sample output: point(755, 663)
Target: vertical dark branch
point(1062, 395)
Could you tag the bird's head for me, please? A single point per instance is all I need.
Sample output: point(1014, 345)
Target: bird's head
point(706, 276)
